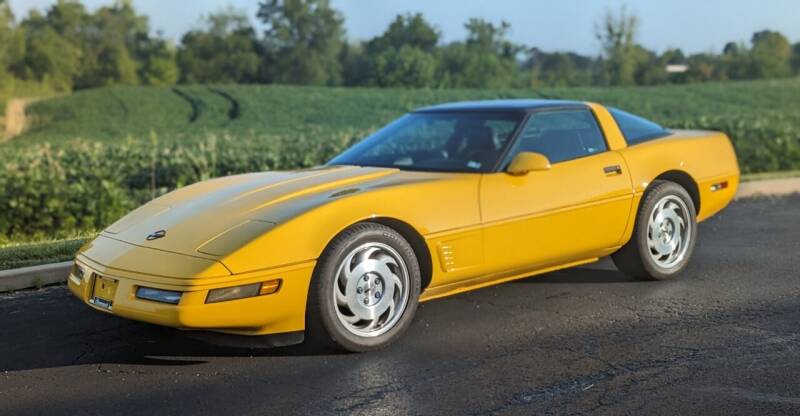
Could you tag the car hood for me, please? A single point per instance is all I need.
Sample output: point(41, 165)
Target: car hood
point(190, 218)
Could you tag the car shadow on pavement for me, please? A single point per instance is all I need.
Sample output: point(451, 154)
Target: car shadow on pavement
point(571, 276)
point(49, 328)
point(601, 271)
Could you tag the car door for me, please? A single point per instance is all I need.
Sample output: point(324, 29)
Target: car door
point(573, 211)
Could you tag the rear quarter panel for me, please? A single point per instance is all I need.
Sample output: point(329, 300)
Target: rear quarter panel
point(707, 157)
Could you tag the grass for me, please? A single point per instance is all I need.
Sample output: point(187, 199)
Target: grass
point(18, 255)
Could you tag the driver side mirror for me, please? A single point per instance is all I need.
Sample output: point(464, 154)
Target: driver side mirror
point(526, 162)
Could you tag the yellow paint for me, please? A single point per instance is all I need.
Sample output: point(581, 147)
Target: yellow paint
point(479, 229)
point(555, 216)
point(614, 138)
point(526, 162)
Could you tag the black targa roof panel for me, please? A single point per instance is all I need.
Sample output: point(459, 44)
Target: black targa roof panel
point(502, 105)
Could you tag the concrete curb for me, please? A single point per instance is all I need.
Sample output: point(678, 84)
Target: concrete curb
point(48, 274)
point(34, 276)
point(769, 187)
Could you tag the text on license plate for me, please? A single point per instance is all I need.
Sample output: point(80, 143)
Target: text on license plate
point(104, 291)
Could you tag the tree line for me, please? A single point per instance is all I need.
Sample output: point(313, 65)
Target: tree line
point(67, 47)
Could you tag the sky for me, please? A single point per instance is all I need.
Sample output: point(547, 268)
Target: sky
point(566, 25)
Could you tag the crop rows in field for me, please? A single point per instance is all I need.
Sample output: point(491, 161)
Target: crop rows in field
point(186, 112)
point(93, 155)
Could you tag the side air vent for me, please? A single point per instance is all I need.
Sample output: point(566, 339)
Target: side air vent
point(447, 258)
point(460, 252)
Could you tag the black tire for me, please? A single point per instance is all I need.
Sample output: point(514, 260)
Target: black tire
point(634, 257)
point(323, 325)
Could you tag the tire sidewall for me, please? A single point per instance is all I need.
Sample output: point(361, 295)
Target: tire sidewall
point(325, 276)
point(656, 194)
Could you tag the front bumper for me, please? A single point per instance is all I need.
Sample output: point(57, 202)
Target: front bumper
point(280, 312)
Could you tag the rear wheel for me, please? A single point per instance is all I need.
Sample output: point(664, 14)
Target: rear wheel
point(365, 289)
point(664, 235)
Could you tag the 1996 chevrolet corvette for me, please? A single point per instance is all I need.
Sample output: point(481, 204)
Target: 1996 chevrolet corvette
point(446, 199)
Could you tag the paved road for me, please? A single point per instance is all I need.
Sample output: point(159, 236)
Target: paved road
point(722, 339)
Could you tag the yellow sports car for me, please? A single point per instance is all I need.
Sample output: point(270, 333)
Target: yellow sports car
point(446, 199)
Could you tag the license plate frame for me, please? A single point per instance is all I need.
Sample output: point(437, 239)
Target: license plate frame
point(103, 292)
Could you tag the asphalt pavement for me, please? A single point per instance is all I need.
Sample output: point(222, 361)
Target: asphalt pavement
point(724, 338)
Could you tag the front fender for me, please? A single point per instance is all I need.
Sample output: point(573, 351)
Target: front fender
point(430, 203)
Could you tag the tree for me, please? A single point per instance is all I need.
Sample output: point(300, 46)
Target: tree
point(796, 58)
point(403, 56)
point(732, 48)
point(405, 67)
point(486, 59)
point(12, 43)
point(356, 64)
point(651, 69)
point(551, 69)
point(485, 37)
point(556, 69)
point(117, 35)
point(71, 20)
point(114, 66)
point(617, 35)
point(111, 43)
point(158, 65)
point(703, 67)
point(673, 57)
point(735, 62)
point(68, 47)
point(406, 30)
point(225, 50)
point(49, 58)
point(303, 39)
point(770, 55)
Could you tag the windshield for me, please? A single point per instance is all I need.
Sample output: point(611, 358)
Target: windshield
point(444, 142)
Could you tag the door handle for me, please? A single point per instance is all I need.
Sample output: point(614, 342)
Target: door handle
point(613, 170)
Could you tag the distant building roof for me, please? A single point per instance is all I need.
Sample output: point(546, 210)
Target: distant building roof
point(677, 68)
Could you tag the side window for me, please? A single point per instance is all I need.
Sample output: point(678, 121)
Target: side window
point(637, 129)
point(561, 135)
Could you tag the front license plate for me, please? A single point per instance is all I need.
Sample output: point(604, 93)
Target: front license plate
point(103, 293)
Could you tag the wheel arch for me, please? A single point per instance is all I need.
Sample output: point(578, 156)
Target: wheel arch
point(417, 243)
point(687, 182)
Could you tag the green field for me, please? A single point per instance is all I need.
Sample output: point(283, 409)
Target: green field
point(89, 157)
point(189, 113)
point(760, 116)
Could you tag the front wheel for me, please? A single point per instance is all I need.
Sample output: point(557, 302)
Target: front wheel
point(664, 234)
point(365, 289)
